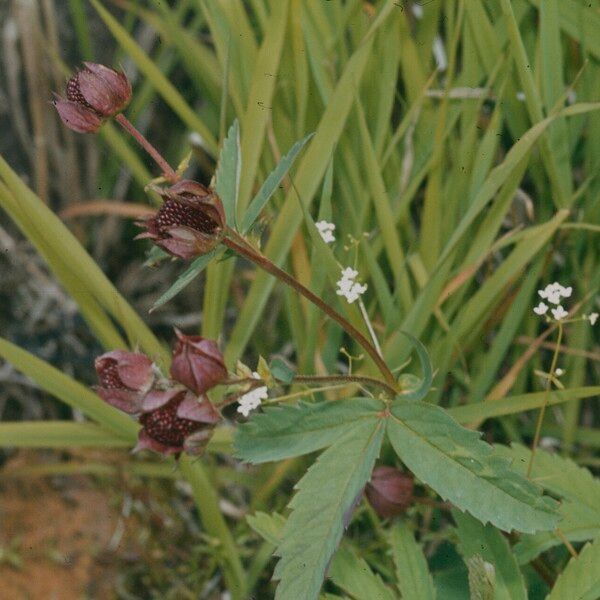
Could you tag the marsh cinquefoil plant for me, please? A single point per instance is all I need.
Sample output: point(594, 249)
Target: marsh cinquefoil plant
point(193, 222)
point(426, 233)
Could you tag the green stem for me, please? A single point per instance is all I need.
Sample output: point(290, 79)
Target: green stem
point(213, 521)
point(240, 246)
point(540, 420)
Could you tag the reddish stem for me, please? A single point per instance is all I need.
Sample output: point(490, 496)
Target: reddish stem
point(167, 170)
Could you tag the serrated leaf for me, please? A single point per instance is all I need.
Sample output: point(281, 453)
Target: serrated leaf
point(287, 431)
point(412, 573)
point(321, 509)
point(482, 579)
point(196, 267)
point(425, 384)
point(492, 546)
point(581, 578)
point(460, 467)
point(227, 183)
point(353, 575)
point(271, 184)
point(267, 526)
point(580, 491)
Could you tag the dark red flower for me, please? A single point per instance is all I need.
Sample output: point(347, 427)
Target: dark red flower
point(175, 421)
point(125, 378)
point(390, 491)
point(190, 222)
point(197, 362)
point(93, 94)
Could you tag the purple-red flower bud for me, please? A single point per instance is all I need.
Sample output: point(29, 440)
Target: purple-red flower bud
point(175, 421)
point(93, 94)
point(390, 491)
point(125, 378)
point(197, 362)
point(191, 221)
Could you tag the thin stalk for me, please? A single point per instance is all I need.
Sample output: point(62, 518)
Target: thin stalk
point(540, 420)
point(167, 170)
point(318, 379)
point(240, 246)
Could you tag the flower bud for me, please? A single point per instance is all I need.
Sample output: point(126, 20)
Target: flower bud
point(94, 93)
point(197, 363)
point(125, 378)
point(390, 491)
point(175, 421)
point(190, 222)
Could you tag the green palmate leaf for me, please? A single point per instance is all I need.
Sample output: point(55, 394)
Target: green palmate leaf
point(462, 468)
point(413, 577)
point(353, 575)
point(322, 508)
point(271, 184)
point(227, 177)
point(196, 267)
point(581, 578)
point(267, 526)
point(492, 546)
point(425, 384)
point(580, 493)
point(287, 431)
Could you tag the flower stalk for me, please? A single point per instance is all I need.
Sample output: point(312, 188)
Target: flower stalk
point(236, 243)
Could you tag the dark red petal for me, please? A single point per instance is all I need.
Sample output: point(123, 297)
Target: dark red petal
point(125, 400)
point(145, 442)
point(202, 411)
point(77, 117)
point(156, 399)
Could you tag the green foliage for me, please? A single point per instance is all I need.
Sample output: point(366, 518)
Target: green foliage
point(482, 578)
point(353, 575)
point(413, 577)
point(321, 509)
point(581, 577)
point(580, 499)
point(488, 543)
point(463, 469)
point(287, 431)
point(227, 177)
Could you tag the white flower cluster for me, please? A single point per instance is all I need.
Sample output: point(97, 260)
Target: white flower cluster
point(553, 292)
point(592, 318)
point(349, 287)
point(326, 230)
point(253, 398)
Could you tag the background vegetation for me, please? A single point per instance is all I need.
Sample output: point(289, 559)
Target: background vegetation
point(457, 151)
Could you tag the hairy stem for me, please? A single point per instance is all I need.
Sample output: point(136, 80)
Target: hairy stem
point(239, 245)
point(167, 170)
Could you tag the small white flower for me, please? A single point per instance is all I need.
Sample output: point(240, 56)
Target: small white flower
point(559, 313)
point(559, 372)
point(253, 398)
point(553, 292)
point(348, 287)
point(521, 96)
point(326, 230)
point(592, 318)
point(566, 292)
point(541, 309)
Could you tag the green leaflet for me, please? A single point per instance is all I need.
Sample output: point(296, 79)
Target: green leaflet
point(196, 267)
point(482, 578)
point(271, 184)
point(581, 578)
point(493, 547)
point(227, 184)
point(580, 491)
point(412, 573)
point(286, 431)
point(463, 469)
point(267, 526)
point(321, 508)
point(353, 575)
